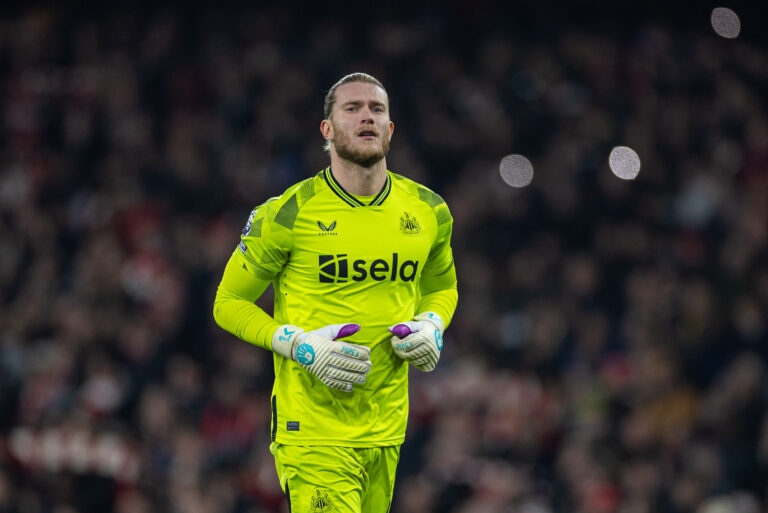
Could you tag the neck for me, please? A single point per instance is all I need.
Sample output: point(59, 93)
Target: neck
point(359, 180)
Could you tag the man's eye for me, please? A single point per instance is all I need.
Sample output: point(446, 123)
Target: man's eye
point(350, 109)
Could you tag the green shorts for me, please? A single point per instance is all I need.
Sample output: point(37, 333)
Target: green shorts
point(322, 479)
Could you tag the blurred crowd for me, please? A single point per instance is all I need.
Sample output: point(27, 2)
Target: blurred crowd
point(609, 351)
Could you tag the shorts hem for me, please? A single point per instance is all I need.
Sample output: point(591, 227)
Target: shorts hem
point(341, 443)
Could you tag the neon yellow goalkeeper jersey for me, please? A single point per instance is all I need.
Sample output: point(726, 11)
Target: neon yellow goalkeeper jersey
point(333, 259)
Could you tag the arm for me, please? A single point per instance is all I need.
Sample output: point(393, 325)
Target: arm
point(420, 341)
point(439, 294)
point(260, 257)
point(233, 308)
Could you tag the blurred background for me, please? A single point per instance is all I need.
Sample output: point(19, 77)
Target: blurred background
point(609, 349)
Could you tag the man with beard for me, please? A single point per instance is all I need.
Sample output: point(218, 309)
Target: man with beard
point(359, 253)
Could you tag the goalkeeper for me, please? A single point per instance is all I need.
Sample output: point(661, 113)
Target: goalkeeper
point(361, 263)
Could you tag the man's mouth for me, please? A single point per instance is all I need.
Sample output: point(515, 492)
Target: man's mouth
point(368, 134)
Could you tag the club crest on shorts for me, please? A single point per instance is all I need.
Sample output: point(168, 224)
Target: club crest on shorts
point(409, 224)
point(321, 502)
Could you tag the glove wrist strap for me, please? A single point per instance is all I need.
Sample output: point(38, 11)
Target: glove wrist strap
point(433, 318)
point(284, 340)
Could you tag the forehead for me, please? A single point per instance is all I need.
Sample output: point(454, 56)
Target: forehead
point(360, 91)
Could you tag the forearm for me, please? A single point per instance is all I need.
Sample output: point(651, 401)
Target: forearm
point(440, 295)
point(234, 309)
point(442, 302)
point(244, 320)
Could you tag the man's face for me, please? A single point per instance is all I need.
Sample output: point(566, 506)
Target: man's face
point(360, 127)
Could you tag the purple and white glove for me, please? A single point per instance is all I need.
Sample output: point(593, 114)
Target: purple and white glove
point(337, 364)
point(419, 341)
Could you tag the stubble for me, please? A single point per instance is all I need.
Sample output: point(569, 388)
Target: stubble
point(367, 157)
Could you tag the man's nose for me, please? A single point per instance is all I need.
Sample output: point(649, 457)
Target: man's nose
point(367, 115)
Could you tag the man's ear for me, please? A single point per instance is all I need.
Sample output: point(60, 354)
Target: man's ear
point(326, 128)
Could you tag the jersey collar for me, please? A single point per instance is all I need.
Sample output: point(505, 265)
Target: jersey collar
point(349, 198)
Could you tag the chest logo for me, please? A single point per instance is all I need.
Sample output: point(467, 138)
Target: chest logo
point(327, 230)
point(409, 224)
point(340, 269)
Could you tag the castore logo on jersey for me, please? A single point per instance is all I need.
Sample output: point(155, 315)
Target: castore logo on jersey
point(327, 230)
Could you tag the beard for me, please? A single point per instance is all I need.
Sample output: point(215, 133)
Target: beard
point(366, 157)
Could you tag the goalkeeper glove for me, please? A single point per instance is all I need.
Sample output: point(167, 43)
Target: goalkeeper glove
point(335, 363)
point(419, 341)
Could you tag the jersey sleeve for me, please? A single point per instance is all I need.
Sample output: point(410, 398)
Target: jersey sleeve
point(438, 286)
point(265, 243)
point(234, 309)
point(440, 255)
point(264, 248)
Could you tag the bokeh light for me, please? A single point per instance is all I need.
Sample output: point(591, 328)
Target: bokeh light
point(624, 162)
point(726, 22)
point(516, 170)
